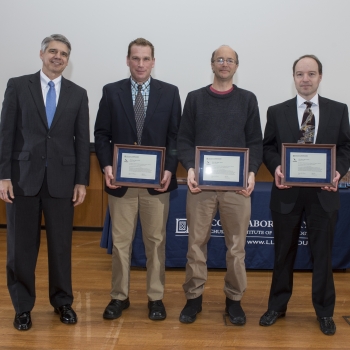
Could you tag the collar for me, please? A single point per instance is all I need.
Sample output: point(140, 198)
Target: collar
point(144, 85)
point(45, 80)
point(221, 92)
point(301, 100)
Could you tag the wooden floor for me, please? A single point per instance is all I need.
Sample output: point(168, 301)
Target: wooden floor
point(91, 284)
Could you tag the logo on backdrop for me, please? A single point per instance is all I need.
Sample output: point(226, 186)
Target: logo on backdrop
point(181, 227)
point(260, 232)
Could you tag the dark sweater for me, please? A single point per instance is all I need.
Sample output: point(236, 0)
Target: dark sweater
point(230, 120)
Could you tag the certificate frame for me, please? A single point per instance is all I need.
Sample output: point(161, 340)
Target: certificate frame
point(241, 153)
point(136, 151)
point(327, 150)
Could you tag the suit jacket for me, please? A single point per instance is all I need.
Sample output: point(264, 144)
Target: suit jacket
point(283, 127)
point(115, 123)
point(28, 146)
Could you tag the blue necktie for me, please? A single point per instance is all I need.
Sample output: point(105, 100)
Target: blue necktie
point(50, 103)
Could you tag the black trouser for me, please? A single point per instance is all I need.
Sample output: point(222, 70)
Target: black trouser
point(320, 228)
point(23, 241)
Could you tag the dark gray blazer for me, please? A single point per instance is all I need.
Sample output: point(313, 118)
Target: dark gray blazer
point(28, 146)
point(283, 127)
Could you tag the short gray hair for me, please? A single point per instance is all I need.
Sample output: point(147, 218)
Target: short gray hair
point(55, 37)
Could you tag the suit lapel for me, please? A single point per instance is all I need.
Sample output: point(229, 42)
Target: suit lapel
point(126, 100)
point(291, 115)
point(35, 89)
point(62, 100)
point(324, 117)
point(154, 97)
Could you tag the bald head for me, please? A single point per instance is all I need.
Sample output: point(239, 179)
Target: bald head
point(224, 64)
point(227, 49)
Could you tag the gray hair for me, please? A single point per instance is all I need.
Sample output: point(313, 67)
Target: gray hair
point(55, 37)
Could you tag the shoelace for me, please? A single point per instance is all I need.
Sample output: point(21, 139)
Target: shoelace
point(327, 322)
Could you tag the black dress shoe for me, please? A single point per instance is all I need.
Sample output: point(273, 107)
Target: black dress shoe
point(156, 310)
point(327, 325)
point(67, 314)
point(115, 307)
point(191, 309)
point(270, 317)
point(235, 312)
point(22, 321)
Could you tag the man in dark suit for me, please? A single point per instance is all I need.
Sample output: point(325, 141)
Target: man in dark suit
point(319, 205)
point(44, 167)
point(160, 108)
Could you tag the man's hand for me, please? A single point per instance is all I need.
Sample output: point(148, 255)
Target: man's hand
point(278, 177)
point(335, 182)
point(250, 188)
point(109, 177)
point(79, 194)
point(6, 191)
point(191, 182)
point(165, 181)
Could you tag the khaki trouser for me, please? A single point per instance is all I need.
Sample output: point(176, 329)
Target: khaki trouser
point(153, 211)
point(234, 212)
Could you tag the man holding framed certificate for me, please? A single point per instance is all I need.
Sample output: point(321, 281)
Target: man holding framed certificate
point(139, 111)
point(307, 118)
point(225, 119)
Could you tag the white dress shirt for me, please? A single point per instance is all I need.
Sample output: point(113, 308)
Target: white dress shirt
point(44, 80)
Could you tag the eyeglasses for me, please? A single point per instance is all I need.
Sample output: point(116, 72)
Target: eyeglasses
point(229, 61)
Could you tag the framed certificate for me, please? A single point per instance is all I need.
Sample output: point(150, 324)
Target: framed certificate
point(221, 168)
point(138, 166)
point(308, 165)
